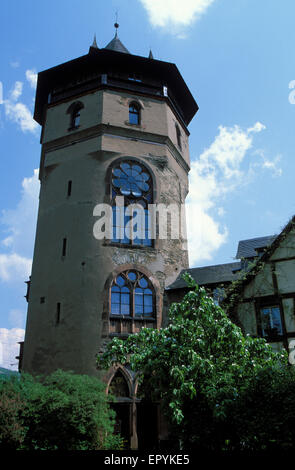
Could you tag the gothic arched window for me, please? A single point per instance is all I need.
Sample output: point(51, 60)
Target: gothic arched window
point(134, 113)
point(131, 218)
point(119, 386)
point(132, 295)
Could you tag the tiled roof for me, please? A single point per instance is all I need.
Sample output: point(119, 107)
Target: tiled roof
point(247, 248)
point(209, 275)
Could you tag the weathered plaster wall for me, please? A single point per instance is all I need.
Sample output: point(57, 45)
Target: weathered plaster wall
point(58, 120)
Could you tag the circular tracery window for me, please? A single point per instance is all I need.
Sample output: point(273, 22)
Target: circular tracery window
point(131, 180)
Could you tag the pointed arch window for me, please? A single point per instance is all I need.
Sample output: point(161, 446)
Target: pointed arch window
point(134, 113)
point(119, 386)
point(132, 294)
point(131, 220)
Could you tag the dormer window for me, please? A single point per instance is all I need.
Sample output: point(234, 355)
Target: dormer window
point(134, 113)
point(75, 114)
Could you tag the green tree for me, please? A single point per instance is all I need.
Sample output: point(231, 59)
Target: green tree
point(63, 411)
point(196, 366)
point(12, 431)
point(262, 418)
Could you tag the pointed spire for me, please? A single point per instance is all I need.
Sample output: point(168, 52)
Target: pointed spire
point(94, 44)
point(151, 55)
point(116, 44)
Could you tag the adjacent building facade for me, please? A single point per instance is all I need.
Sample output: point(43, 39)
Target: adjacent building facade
point(258, 291)
point(263, 301)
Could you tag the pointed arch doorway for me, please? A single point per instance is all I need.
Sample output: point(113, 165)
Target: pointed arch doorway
point(147, 418)
point(137, 417)
point(120, 388)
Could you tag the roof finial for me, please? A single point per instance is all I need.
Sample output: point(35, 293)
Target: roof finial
point(115, 44)
point(116, 24)
point(94, 44)
point(151, 55)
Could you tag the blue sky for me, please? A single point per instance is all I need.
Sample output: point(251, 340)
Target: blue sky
point(237, 58)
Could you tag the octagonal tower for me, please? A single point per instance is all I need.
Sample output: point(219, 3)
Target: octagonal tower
point(114, 128)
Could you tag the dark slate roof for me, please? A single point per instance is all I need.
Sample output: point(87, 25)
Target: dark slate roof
point(209, 275)
point(100, 61)
point(116, 45)
point(247, 248)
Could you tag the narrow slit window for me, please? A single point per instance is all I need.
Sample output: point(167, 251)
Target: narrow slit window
point(178, 136)
point(64, 247)
point(57, 313)
point(69, 188)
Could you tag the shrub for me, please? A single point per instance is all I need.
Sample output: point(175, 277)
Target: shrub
point(63, 411)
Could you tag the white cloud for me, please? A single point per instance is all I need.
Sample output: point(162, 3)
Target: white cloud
point(205, 235)
point(16, 92)
point(21, 115)
point(175, 13)
point(273, 165)
point(221, 211)
point(31, 76)
point(21, 221)
point(9, 347)
point(218, 171)
point(21, 224)
point(14, 267)
point(269, 164)
point(258, 127)
point(17, 111)
point(14, 64)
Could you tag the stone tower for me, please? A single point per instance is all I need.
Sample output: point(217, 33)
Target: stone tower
point(114, 127)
